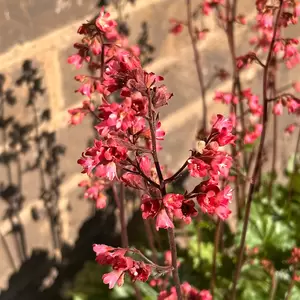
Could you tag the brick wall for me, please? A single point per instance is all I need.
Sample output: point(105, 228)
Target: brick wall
point(44, 31)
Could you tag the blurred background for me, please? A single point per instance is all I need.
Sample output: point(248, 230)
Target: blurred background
point(47, 227)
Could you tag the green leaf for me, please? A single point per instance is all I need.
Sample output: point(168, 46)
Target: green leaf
point(266, 231)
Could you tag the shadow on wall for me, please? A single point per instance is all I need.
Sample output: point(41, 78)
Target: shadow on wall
point(22, 138)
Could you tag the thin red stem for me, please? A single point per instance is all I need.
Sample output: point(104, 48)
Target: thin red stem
point(177, 174)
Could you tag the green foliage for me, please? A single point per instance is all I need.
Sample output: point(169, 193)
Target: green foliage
point(273, 228)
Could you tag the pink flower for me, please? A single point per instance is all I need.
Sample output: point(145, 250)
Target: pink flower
point(295, 256)
point(94, 191)
point(173, 201)
point(76, 60)
point(145, 164)
point(221, 164)
point(137, 102)
point(116, 117)
point(177, 27)
point(266, 19)
point(86, 89)
point(150, 207)
point(290, 128)
point(163, 220)
point(245, 60)
point(197, 167)
point(201, 34)
point(205, 295)
point(103, 23)
point(214, 201)
point(80, 57)
point(139, 271)
point(120, 264)
point(226, 98)
point(109, 171)
point(251, 136)
point(133, 180)
point(101, 201)
point(104, 156)
point(114, 277)
point(296, 277)
point(77, 114)
point(161, 97)
point(292, 105)
point(101, 249)
point(186, 211)
point(241, 19)
point(278, 108)
point(290, 51)
point(222, 131)
point(96, 46)
point(206, 8)
point(188, 292)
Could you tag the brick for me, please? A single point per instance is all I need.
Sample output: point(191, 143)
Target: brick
point(69, 84)
point(79, 210)
point(80, 135)
point(26, 20)
point(177, 144)
point(181, 79)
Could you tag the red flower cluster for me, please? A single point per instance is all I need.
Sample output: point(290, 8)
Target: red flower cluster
point(165, 208)
point(104, 156)
point(295, 256)
point(292, 104)
point(121, 264)
point(212, 200)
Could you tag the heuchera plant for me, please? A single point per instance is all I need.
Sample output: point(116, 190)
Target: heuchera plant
point(125, 153)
